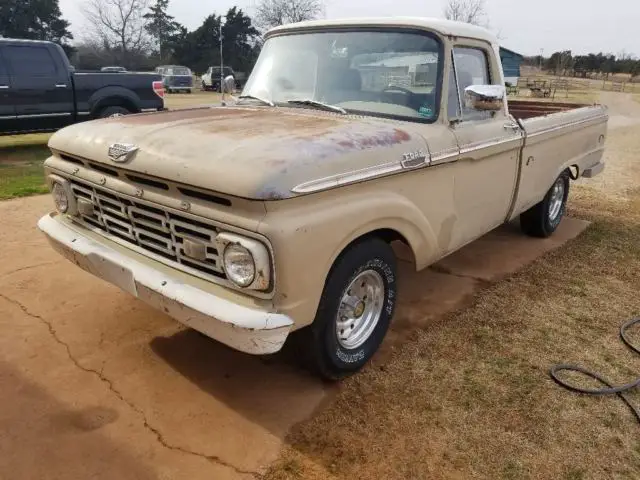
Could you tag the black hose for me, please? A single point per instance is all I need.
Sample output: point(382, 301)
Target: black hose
point(611, 389)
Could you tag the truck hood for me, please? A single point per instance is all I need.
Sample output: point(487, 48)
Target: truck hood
point(252, 152)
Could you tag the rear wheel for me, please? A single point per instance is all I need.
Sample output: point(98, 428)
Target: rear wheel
point(543, 219)
point(113, 111)
point(355, 310)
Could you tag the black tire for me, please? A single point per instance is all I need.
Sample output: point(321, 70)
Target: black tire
point(113, 111)
point(204, 87)
point(538, 221)
point(325, 354)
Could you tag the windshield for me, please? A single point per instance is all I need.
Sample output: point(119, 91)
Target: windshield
point(216, 71)
point(377, 72)
point(177, 71)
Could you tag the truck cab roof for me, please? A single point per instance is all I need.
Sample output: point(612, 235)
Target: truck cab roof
point(437, 25)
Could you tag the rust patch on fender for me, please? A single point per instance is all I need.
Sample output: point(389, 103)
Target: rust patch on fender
point(272, 193)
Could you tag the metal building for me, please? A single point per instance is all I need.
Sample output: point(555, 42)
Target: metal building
point(511, 62)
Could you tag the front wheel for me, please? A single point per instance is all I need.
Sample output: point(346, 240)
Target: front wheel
point(543, 219)
point(355, 310)
point(115, 111)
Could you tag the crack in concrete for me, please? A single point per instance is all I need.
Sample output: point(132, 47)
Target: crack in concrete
point(159, 436)
point(29, 267)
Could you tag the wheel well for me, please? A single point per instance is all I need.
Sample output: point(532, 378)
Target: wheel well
point(573, 171)
point(401, 247)
point(115, 102)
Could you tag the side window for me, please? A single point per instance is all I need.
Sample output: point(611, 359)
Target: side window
point(471, 68)
point(29, 60)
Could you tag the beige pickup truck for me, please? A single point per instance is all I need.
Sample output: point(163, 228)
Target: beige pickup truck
point(275, 217)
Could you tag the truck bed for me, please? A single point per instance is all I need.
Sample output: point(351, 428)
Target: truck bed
point(557, 136)
point(523, 109)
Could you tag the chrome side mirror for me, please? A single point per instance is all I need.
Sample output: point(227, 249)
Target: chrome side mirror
point(484, 97)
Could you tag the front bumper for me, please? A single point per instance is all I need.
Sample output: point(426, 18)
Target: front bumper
point(244, 328)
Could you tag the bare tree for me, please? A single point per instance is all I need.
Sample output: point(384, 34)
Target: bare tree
point(271, 13)
point(118, 24)
point(469, 11)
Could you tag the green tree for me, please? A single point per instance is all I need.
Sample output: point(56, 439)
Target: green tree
point(162, 26)
point(35, 20)
point(200, 48)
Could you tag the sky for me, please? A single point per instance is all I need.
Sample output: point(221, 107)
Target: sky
point(582, 26)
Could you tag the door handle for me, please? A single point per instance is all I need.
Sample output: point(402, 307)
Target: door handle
point(4, 87)
point(61, 85)
point(513, 126)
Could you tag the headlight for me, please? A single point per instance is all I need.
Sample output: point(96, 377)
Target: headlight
point(60, 197)
point(239, 265)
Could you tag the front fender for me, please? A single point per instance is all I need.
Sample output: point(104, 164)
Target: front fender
point(309, 233)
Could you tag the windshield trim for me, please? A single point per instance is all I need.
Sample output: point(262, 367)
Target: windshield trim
point(382, 28)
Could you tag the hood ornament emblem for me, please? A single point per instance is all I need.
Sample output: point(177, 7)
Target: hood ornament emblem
point(122, 152)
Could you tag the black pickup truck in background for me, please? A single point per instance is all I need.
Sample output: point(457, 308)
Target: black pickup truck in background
point(41, 92)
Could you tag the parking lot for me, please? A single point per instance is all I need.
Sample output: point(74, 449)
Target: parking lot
point(98, 385)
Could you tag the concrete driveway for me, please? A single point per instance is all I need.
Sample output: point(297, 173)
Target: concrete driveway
point(97, 385)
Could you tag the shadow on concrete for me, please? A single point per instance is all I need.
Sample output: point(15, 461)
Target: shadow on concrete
point(273, 391)
point(41, 438)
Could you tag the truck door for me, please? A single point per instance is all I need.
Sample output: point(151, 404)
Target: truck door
point(7, 108)
point(41, 86)
point(486, 171)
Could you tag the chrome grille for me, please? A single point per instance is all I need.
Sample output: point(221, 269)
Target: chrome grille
point(151, 228)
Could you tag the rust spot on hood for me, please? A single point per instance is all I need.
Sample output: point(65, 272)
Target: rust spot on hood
point(384, 138)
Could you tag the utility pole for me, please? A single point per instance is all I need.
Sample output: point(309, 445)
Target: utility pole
point(541, 55)
point(221, 60)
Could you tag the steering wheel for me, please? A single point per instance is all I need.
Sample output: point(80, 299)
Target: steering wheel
point(393, 88)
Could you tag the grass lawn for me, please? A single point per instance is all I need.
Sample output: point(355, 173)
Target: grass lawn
point(21, 172)
point(471, 396)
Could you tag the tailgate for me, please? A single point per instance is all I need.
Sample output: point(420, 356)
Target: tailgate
point(555, 142)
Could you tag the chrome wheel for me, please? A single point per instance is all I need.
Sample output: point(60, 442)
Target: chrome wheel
point(360, 309)
point(556, 200)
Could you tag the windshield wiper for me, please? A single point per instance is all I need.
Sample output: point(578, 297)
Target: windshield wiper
point(319, 105)
point(262, 100)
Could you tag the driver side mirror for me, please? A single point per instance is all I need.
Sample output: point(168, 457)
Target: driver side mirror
point(484, 97)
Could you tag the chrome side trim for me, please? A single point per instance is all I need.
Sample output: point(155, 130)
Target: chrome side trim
point(472, 147)
point(555, 128)
point(348, 178)
point(448, 155)
point(45, 115)
point(444, 156)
